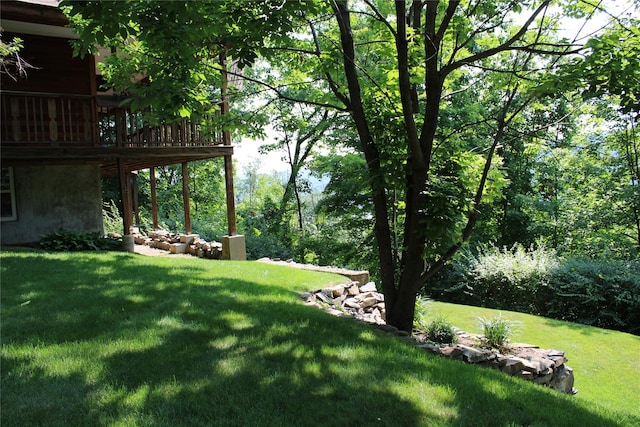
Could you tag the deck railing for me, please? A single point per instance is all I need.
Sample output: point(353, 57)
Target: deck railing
point(47, 119)
point(31, 119)
point(119, 126)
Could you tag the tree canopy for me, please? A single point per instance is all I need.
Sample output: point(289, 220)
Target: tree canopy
point(440, 93)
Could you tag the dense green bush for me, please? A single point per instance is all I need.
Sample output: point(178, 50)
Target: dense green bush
point(64, 240)
point(604, 293)
point(596, 292)
point(441, 331)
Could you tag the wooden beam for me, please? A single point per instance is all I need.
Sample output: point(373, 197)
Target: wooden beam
point(154, 199)
point(134, 193)
point(231, 201)
point(185, 198)
point(113, 153)
point(228, 159)
point(125, 196)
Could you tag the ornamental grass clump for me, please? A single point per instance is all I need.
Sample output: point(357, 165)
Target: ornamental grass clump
point(497, 331)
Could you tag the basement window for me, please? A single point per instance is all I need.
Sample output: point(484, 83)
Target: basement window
point(7, 196)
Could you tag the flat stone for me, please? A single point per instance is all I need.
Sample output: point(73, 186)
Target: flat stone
point(353, 303)
point(512, 366)
point(335, 312)
point(434, 348)
point(563, 380)
point(452, 352)
point(353, 289)
point(323, 297)
point(545, 365)
point(555, 353)
point(530, 366)
point(543, 379)
point(188, 238)
point(178, 248)
point(558, 361)
point(308, 297)
point(367, 302)
point(525, 375)
point(474, 355)
point(369, 287)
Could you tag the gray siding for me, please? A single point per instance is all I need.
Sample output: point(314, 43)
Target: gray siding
point(49, 198)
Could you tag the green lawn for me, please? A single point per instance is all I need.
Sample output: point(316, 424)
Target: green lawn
point(122, 339)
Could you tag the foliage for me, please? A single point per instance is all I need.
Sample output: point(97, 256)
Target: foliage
point(604, 293)
point(11, 63)
point(599, 292)
point(437, 329)
point(421, 319)
point(64, 240)
point(440, 330)
point(497, 331)
point(430, 166)
point(580, 194)
point(610, 67)
point(185, 81)
point(439, 94)
point(263, 244)
point(111, 218)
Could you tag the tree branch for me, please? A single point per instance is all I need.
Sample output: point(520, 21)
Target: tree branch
point(284, 96)
point(507, 45)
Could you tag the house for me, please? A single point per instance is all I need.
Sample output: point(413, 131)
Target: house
point(60, 135)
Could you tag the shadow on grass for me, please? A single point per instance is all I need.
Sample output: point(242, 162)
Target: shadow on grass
point(95, 340)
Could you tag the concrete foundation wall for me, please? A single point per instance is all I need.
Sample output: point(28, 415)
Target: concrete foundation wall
point(49, 198)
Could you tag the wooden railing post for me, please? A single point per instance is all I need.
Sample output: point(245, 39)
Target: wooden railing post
point(53, 125)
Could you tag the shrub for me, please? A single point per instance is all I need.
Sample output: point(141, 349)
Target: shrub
point(111, 219)
point(596, 292)
point(64, 240)
point(497, 331)
point(441, 331)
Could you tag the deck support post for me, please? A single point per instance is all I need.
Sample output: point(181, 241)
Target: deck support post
point(154, 197)
point(185, 198)
point(233, 245)
point(125, 196)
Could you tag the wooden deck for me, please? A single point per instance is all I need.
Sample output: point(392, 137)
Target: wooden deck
point(60, 129)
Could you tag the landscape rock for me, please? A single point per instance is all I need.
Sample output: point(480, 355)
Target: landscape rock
point(368, 287)
point(526, 361)
point(563, 380)
point(190, 244)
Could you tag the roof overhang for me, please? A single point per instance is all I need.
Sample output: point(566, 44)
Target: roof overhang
point(37, 17)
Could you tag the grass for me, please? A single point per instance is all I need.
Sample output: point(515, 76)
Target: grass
point(604, 362)
point(121, 339)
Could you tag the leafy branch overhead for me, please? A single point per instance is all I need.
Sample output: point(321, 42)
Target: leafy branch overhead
point(609, 66)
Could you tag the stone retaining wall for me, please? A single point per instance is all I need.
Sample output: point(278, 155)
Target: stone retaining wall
point(525, 361)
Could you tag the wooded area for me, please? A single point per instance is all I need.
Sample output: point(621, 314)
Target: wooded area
point(461, 124)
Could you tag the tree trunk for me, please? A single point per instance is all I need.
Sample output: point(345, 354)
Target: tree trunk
point(355, 105)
